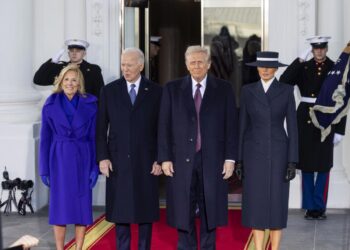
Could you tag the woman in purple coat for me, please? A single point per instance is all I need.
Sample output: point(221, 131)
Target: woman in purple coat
point(67, 154)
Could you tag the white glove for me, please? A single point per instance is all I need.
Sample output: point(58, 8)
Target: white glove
point(305, 54)
point(57, 56)
point(337, 138)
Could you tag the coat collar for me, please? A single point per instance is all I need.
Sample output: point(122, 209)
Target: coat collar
point(265, 98)
point(85, 110)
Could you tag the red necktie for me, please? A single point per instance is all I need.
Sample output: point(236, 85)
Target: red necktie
point(197, 103)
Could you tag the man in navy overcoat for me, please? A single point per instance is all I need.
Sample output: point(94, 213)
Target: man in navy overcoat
point(197, 149)
point(126, 150)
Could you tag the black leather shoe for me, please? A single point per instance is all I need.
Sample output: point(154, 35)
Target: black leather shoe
point(310, 215)
point(321, 215)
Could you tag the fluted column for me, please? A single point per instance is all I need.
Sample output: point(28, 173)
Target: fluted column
point(18, 99)
point(75, 19)
point(330, 22)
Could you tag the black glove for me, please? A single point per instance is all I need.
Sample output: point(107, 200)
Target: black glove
point(290, 173)
point(239, 170)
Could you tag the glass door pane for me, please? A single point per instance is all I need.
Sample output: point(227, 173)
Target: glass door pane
point(232, 30)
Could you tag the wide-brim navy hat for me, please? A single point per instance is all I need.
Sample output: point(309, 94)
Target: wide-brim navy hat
point(267, 59)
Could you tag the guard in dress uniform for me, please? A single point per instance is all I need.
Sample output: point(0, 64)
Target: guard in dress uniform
point(48, 71)
point(154, 47)
point(315, 157)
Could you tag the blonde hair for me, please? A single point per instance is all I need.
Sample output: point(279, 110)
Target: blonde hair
point(197, 49)
point(80, 78)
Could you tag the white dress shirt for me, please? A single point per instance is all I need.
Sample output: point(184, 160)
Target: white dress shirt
point(137, 85)
point(203, 84)
point(266, 85)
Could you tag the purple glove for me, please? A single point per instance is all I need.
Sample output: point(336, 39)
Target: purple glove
point(93, 179)
point(46, 180)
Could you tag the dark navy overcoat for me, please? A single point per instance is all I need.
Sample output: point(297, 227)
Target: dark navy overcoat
point(127, 135)
point(67, 156)
point(177, 141)
point(265, 149)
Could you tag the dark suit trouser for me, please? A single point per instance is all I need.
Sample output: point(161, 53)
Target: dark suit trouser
point(188, 239)
point(124, 236)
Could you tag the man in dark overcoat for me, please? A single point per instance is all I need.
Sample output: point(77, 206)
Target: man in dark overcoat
point(48, 71)
point(126, 150)
point(315, 157)
point(197, 147)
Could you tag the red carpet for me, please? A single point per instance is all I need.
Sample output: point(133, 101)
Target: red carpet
point(101, 235)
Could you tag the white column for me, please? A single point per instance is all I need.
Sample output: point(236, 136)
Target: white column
point(330, 22)
point(75, 19)
point(346, 21)
point(18, 99)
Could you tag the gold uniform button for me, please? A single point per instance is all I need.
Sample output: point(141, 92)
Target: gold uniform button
point(308, 121)
point(319, 73)
point(319, 68)
point(312, 95)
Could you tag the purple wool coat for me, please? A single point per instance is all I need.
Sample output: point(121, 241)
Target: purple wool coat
point(67, 156)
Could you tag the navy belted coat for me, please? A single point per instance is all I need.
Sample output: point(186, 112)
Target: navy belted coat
point(67, 156)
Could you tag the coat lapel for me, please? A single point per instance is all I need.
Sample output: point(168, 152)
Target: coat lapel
point(208, 94)
point(259, 93)
point(57, 112)
point(125, 94)
point(274, 90)
point(85, 110)
point(143, 90)
point(186, 87)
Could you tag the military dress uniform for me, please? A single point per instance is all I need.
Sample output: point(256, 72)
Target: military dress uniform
point(314, 155)
point(47, 73)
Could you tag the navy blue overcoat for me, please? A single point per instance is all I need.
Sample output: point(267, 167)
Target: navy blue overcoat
point(265, 150)
point(127, 136)
point(177, 142)
point(67, 156)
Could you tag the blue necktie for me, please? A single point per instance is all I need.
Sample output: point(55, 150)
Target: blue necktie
point(132, 93)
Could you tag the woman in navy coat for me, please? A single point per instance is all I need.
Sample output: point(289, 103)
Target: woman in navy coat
point(268, 154)
point(67, 154)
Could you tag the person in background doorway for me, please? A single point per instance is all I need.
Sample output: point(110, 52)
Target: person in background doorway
point(154, 47)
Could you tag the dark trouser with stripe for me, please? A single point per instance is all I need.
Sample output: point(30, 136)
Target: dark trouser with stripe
point(124, 236)
point(188, 240)
point(315, 193)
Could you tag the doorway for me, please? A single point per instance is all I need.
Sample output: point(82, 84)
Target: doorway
point(178, 24)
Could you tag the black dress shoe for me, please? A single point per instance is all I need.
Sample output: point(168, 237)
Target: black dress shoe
point(320, 215)
point(310, 215)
